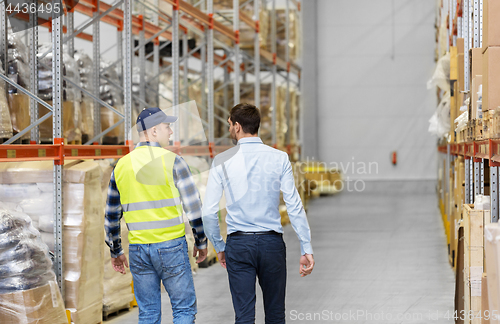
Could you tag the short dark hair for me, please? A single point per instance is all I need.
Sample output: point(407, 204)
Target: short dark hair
point(248, 116)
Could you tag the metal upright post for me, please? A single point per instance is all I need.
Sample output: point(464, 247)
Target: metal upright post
point(481, 177)
point(142, 58)
point(480, 23)
point(127, 71)
point(236, 27)
point(287, 58)
point(257, 53)
point(156, 59)
point(33, 51)
point(273, 84)
point(225, 90)
point(119, 51)
point(471, 182)
point(71, 28)
point(203, 78)
point(477, 179)
point(476, 24)
point(210, 73)
point(467, 41)
point(175, 68)
point(494, 188)
point(3, 37)
point(185, 51)
point(467, 181)
point(57, 78)
point(96, 44)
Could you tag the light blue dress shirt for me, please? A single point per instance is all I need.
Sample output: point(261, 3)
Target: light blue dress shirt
point(251, 175)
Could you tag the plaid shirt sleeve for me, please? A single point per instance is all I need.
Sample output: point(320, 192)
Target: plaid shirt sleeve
point(191, 201)
point(112, 219)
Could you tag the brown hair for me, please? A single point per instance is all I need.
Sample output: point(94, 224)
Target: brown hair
point(248, 116)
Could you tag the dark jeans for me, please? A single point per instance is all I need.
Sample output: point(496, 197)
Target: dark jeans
point(263, 256)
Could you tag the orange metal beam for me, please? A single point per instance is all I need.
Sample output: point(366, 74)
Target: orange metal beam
point(247, 20)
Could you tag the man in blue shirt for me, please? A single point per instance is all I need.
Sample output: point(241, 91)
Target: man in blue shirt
point(251, 175)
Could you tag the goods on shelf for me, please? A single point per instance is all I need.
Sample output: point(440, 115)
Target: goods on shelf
point(295, 43)
point(110, 94)
point(29, 186)
point(117, 293)
point(71, 96)
point(322, 179)
point(492, 255)
point(85, 70)
point(491, 85)
point(18, 63)
point(28, 291)
point(491, 25)
point(18, 71)
point(5, 121)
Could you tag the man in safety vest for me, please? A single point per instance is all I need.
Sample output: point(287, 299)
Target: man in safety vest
point(147, 187)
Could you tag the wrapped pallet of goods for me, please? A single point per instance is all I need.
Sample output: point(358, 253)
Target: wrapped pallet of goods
point(111, 95)
point(5, 121)
point(29, 185)
point(295, 43)
point(85, 70)
point(28, 290)
point(117, 292)
point(18, 71)
point(71, 96)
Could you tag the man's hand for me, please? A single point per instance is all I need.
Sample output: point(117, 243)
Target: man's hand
point(306, 264)
point(222, 259)
point(118, 263)
point(202, 254)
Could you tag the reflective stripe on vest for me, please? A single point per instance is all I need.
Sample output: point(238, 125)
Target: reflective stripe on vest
point(151, 225)
point(151, 204)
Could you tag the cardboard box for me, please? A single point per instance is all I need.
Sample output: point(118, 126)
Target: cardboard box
point(19, 107)
point(42, 305)
point(491, 23)
point(477, 62)
point(453, 63)
point(491, 81)
point(491, 232)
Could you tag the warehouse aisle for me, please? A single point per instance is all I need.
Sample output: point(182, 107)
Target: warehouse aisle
point(379, 254)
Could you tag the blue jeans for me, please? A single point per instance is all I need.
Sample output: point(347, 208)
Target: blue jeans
point(167, 262)
point(257, 256)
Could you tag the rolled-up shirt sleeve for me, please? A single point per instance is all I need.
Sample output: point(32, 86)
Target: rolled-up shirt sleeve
point(295, 209)
point(211, 209)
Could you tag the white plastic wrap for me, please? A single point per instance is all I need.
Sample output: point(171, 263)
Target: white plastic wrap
point(482, 202)
point(113, 97)
point(439, 124)
point(83, 222)
point(18, 64)
point(441, 76)
point(461, 121)
point(24, 260)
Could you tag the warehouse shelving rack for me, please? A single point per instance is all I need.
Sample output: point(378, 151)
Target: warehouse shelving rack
point(198, 19)
point(465, 21)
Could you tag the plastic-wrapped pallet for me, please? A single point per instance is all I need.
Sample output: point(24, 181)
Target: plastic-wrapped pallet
point(29, 186)
point(18, 71)
point(117, 290)
point(5, 121)
point(28, 291)
point(85, 69)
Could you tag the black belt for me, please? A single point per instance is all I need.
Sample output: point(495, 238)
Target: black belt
point(240, 233)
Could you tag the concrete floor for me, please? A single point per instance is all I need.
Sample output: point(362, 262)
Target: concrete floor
point(380, 258)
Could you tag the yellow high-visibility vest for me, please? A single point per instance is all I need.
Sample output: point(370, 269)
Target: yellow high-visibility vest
point(150, 201)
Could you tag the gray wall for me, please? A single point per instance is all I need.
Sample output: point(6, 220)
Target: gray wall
point(367, 86)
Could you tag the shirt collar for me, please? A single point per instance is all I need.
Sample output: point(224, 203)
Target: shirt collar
point(248, 140)
point(148, 144)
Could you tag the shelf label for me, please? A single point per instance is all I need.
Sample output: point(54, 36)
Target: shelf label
point(11, 154)
point(74, 152)
point(42, 153)
point(98, 152)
